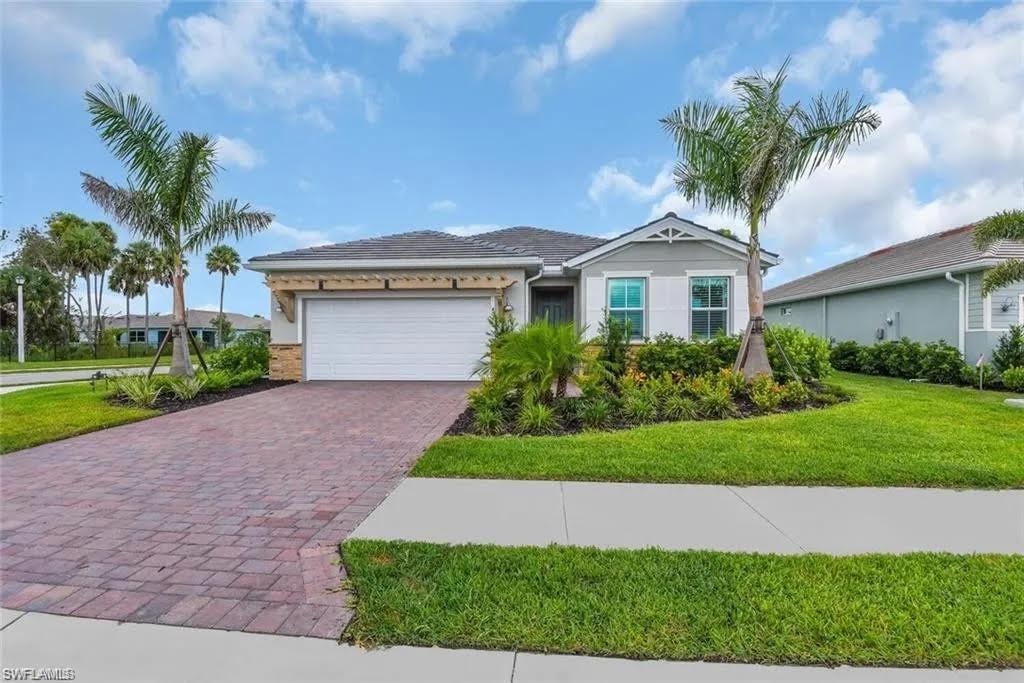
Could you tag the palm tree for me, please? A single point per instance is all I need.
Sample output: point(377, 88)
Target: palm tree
point(88, 250)
point(128, 277)
point(168, 197)
point(104, 258)
point(143, 255)
point(224, 260)
point(742, 158)
point(1005, 225)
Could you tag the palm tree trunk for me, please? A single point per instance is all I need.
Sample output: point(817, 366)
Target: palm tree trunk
point(128, 323)
point(181, 363)
point(88, 317)
point(753, 357)
point(220, 312)
point(146, 340)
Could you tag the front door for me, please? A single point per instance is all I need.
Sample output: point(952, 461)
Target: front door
point(553, 304)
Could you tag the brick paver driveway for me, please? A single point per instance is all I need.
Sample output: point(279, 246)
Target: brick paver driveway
point(225, 516)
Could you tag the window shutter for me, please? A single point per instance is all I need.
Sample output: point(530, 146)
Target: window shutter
point(740, 308)
point(668, 306)
point(595, 305)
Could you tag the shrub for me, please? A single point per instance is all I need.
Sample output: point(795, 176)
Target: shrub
point(613, 336)
point(1009, 351)
point(1013, 378)
point(765, 393)
point(490, 395)
point(903, 359)
point(735, 382)
point(662, 387)
point(139, 390)
point(249, 351)
point(595, 413)
point(717, 403)
point(680, 407)
point(538, 356)
point(872, 359)
point(185, 388)
point(846, 356)
point(536, 418)
point(244, 379)
point(697, 387)
point(488, 421)
point(808, 354)
point(795, 394)
point(942, 363)
point(217, 381)
point(724, 349)
point(640, 406)
point(675, 355)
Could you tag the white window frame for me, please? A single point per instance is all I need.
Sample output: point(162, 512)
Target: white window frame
point(608, 298)
point(140, 333)
point(729, 293)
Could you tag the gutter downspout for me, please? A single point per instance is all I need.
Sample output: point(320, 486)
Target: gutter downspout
point(528, 294)
point(960, 311)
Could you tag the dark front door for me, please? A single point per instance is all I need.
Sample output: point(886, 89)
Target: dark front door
point(552, 303)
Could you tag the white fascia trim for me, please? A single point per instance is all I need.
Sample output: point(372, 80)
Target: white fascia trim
point(658, 226)
point(870, 284)
point(711, 273)
point(374, 264)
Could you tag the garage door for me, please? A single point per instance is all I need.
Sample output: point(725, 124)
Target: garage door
point(394, 338)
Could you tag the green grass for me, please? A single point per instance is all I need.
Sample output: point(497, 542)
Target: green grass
point(7, 367)
point(933, 610)
point(894, 434)
point(35, 416)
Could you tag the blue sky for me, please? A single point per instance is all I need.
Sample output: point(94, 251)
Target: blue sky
point(350, 120)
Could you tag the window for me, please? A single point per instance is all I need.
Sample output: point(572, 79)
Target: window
point(136, 336)
point(786, 310)
point(626, 303)
point(709, 306)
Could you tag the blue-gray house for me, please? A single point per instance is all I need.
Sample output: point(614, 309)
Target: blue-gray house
point(199, 321)
point(926, 289)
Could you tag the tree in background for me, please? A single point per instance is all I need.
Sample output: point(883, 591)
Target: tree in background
point(144, 257)
point(742, 158)
point(89, 248)
point(224, 260)
point(47, 322)
point(223, 327)
point(129, 277)
point(168, 196)
point(1005, 225)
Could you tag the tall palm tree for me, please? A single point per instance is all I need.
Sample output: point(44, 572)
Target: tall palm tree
point(103, 260)
point(742, 158)
point(1005, 225)
point(168, 197)
point(224, 260)
point(87, 250)
point(143, 255)
point(129, 277)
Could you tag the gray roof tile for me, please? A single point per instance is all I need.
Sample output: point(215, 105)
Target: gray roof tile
point(946, 249)
point(421, 244)
point(551, 245)
point(195, 318)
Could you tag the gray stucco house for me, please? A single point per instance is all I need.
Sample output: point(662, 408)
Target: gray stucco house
point(927, 289)
point(199, 322)
point(415, 305)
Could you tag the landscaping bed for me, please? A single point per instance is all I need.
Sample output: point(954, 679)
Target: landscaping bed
point(169, 403)
point(920, 609)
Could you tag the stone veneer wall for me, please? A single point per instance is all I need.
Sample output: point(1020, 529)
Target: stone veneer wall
point(286, 361)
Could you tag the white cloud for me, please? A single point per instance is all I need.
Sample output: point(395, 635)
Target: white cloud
point(82, 44)
point(442, 205)
point(610, 22)
point(472, 229)
point(704, 71)
point(428, 28)
point(252, 55)
point(300, 236)
point(534, 71)
point(611, 181)
point(237, 152)
point(849, 38)
point(304, 184)
point(871, 80)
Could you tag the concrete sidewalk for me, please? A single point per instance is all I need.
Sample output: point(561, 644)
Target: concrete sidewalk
point(109, 651)
point(771, 519)
point(11, 379)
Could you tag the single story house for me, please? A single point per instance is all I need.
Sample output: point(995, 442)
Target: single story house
point(927, 289)
point(199, 322)
point(416, 305)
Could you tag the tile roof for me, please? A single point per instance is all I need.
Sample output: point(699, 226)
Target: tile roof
point(946, 249)
point(420, 244)
point(551, 245)
point(196, 319)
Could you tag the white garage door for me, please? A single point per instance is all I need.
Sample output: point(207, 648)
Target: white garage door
point(394, 338)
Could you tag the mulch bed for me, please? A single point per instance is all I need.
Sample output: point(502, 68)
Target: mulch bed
point(464, 422)
point(167, 403)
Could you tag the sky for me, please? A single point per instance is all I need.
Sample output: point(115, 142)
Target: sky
point(350, 120)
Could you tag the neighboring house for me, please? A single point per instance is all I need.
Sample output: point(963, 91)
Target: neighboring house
point(927, 289)
point(199, 322)
point(415, 305)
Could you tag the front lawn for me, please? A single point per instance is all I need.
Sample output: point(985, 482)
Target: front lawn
point(30, 417)
point(7, 367)
point(893, 434)
point(923, 610)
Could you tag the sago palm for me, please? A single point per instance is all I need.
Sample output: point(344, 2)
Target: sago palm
point(538, 356)
point(1005, 225)
point(742, 158)
point(224, 260)
point(168, 195)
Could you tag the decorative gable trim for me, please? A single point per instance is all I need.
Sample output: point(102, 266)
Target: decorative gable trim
point(668, 229)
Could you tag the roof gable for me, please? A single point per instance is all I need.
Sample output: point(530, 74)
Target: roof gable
point(554, 246)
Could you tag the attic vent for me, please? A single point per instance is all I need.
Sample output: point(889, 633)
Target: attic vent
point(669, 234)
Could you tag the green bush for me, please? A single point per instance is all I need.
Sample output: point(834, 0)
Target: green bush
point(185, 388)
point(717, 403)
point(846, 356)
point(217, 381)
point(1009, 351)
point(942, 363)
point(244, 379)
point(139, 390)
point(679, 407)
point(488, 421)
point(248, 352)
point(808, 354)
point(734, 382)
point(613, 338)
point(537, 357)
point(675, 355)
point(795, 394)
point(640, 406)
point(1013, 378)
point(872, 359)
point(725, 348)
point(765, 393)
point(904, 359)
point(595, 413)
point(536, 418)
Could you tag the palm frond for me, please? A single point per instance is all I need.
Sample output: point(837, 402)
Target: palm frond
point(134, 208)
point(1005, 225)
point(132, 131)
point(191, 172)
point(707, 140)
point(828, 129)
point(225, 219)
point(1006, 273)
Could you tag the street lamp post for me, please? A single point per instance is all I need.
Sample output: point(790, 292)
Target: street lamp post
point(21, 318)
